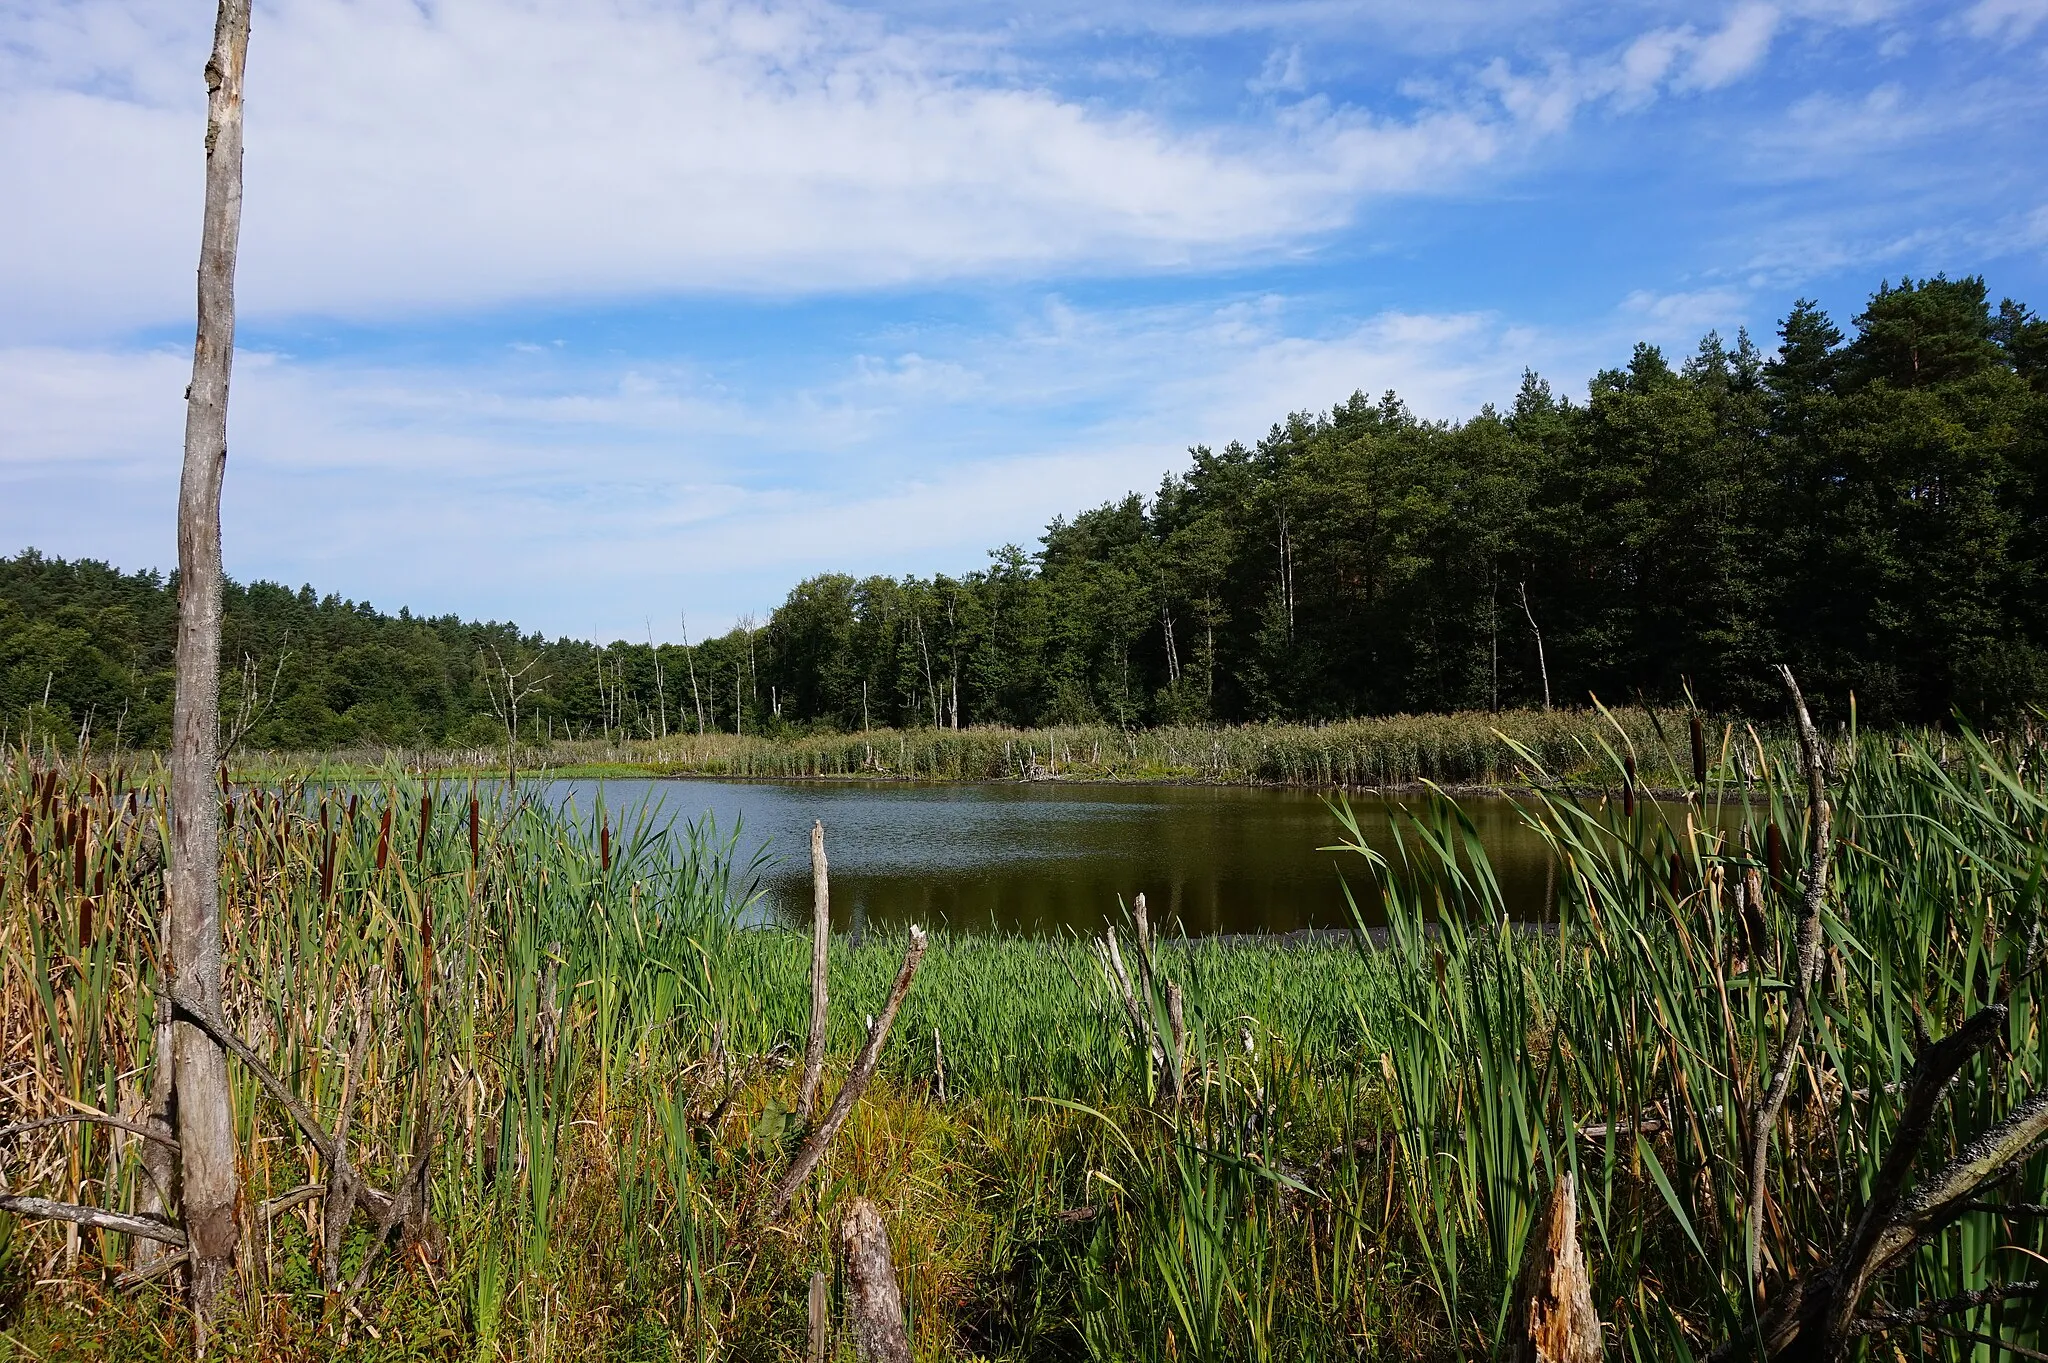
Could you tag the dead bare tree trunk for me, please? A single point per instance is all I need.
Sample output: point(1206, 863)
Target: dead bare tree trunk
point(1542, 665)
point(206, 1125)
point(1554, 1319)
point(873, 1302)
point(821, 964)
point(1808, 958)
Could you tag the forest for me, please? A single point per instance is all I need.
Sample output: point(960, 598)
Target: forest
point(1868, 506)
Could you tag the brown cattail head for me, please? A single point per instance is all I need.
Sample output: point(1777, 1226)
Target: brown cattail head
point(85, 911)
point(1628, 786)
point(604, 846)
point(327, 868)
point(351, 816)
point(419, 855)
point(1677, 877)
point(1699, 751)
point(229, 813)
point(29, 860)
point(384, 839)
point(426, 950)
point(472, 830)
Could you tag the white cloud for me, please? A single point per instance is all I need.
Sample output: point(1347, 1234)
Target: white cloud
point(581, 495)
point(406, 158)
point(2006, 20)
point(1687, 315)
point(1735, 51)
point(1655, 63)
point(1281, 72)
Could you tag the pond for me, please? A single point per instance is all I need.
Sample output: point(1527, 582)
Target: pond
point(1038, 858)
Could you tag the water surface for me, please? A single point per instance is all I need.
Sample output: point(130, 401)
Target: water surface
point(1037, 858)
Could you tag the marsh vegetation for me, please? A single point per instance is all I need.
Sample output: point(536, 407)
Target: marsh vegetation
point(549, 1028)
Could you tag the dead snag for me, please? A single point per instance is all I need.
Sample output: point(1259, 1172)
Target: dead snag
point(1144, 1035)
point(821, 964)
point(1810, 957)
point(820, 1319)
point(208, 1184)
point(1176, 1016)
point(1554, 1320)
point(874, 1306)
point(849, 1093)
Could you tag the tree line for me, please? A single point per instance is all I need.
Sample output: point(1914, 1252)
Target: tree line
point(1871, 507)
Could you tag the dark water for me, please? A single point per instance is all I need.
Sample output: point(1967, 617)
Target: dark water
point(1037, 858)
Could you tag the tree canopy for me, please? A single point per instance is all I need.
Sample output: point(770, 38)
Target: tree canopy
point(1869, 507)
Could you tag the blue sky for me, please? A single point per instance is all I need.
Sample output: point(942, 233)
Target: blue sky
point(590, 313)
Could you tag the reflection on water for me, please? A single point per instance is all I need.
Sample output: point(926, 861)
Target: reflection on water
point(1037, 858)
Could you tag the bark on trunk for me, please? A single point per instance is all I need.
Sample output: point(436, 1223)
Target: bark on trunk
point(874, 1306)
point(206, 1131)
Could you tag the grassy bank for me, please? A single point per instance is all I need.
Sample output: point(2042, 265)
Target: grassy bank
point(1466, 749)
point(604, 1075)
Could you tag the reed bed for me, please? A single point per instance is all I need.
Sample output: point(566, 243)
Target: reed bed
point(1466, 749)
point(1337, 1150)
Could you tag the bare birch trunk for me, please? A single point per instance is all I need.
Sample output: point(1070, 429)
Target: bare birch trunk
point(873, 1301)
point(1542, 665)
point(206, 1128)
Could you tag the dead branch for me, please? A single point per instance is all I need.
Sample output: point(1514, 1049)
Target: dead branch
point(1765, 1119)
point(148, 1133)
point(122, 1223)
point(272, 1208)
point(813, 1149)
point(1880, 1322)
point(154, 1269)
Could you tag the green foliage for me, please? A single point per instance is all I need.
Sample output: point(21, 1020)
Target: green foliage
point(1872, 510)
point(1366, 1136)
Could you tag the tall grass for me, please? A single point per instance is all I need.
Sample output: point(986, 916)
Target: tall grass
point(558, 1007)
point(1475, 748)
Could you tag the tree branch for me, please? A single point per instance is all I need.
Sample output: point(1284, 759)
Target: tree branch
point(849, 1093)
point(149, 1133)
point(1879, 1322)
point(1820, 827)
point(43, 1209)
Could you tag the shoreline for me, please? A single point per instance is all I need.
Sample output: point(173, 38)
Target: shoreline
point(602, 771)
